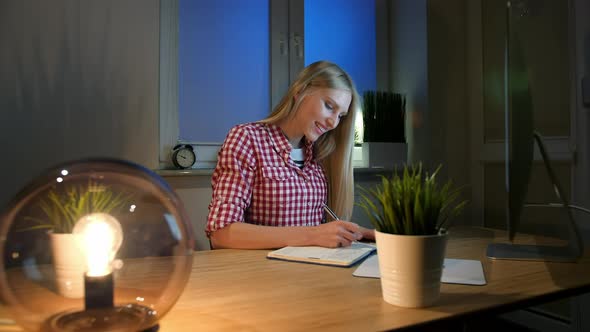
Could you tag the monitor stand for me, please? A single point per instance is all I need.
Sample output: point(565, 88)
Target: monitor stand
point(525, 252)
point(569, 253)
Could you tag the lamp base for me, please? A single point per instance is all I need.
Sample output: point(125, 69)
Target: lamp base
point(98, 292)
point(130, 317)
point(154, 328)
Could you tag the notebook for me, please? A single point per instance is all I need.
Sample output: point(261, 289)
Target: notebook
point(455, 271)
point(346, 256)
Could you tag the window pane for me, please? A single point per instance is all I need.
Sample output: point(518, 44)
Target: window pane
point(343, 31)
point(223, 66)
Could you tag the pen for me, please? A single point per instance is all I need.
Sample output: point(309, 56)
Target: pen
point(330, 212)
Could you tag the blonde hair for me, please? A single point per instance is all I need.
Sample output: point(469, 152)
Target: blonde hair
point(334, 148)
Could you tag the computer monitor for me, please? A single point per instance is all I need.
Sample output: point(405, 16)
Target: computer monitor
point(520, 139)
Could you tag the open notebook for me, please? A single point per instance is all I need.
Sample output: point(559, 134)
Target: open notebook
point(455, 271)
point(346, 256)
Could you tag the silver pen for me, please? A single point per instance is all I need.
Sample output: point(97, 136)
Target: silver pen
point(330, 212)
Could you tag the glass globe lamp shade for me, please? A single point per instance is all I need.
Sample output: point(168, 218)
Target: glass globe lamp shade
point(94, 245)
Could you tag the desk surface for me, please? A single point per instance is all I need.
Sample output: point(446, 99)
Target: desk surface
point(239, 290)
point(242, 290)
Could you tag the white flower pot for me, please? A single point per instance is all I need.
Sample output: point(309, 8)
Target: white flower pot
point(411, 267)
point(384, 154)
point(68, 264)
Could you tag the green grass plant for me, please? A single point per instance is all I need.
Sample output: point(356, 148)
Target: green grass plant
point(59, 211)
point(413, 204)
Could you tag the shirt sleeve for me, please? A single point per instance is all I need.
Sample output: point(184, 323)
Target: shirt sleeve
point(232, 180)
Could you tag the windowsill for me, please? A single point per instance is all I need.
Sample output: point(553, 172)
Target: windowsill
point(209, 171)
point(185, 172)
point(359, 165)
point(372, 170)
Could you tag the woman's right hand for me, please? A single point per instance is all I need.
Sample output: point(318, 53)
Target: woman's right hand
point(337, 233)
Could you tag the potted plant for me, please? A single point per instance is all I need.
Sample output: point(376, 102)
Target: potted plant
point(411, 215)
point(58, 212)
point(384, 137)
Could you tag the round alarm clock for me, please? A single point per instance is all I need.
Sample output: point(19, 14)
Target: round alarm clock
point(183, 156)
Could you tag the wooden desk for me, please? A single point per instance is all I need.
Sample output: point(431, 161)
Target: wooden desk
point(238, 290)
point(242, 290)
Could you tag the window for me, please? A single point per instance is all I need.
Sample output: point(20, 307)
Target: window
point(227, 70)
point(223, 66)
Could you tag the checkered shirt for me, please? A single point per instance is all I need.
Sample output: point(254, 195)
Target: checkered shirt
point(256, 181)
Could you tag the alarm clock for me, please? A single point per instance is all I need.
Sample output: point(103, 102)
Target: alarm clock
point(183, 156)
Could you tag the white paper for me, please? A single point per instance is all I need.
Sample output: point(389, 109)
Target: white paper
point(455, 271)
point(335, 256)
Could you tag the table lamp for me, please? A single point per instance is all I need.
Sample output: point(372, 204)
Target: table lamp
point(94, 245)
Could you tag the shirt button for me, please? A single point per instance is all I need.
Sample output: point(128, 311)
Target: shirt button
point(308, 203)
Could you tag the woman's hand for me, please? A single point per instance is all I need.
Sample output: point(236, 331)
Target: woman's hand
point(368, 234)
point(337, 233)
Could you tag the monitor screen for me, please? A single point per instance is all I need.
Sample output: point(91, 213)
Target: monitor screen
point(519, 130)
point(520, 139)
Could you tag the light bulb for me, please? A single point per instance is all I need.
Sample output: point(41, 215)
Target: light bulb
point(100, 236)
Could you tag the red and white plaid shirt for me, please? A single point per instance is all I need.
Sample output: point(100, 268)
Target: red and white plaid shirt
point(256, 181)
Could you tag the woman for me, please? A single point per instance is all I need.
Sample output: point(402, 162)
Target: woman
point(281, 171)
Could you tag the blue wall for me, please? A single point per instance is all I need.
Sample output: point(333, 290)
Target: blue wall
point(223, 66)
point(343, 31)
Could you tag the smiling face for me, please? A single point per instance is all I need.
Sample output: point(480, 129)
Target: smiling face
point(320, 111)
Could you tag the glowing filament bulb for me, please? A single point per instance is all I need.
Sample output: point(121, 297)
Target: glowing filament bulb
point(100, 237)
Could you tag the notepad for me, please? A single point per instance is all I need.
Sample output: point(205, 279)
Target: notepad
point(346, 256)
point(455, 271)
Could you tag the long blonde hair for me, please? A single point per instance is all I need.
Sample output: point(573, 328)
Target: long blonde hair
point(334, 148)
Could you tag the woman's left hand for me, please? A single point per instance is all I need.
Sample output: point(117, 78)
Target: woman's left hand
point(368, 234)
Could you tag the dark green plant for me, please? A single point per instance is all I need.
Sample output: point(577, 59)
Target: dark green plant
point(59, 211)
point(384, 116)
point(413, 204)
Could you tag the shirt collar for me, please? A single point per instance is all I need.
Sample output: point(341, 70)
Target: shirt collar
point(278, 139)
point(281, 143)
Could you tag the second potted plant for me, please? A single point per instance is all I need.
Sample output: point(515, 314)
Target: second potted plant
point(58, 213)
point(411, 215)
point(384, 138)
